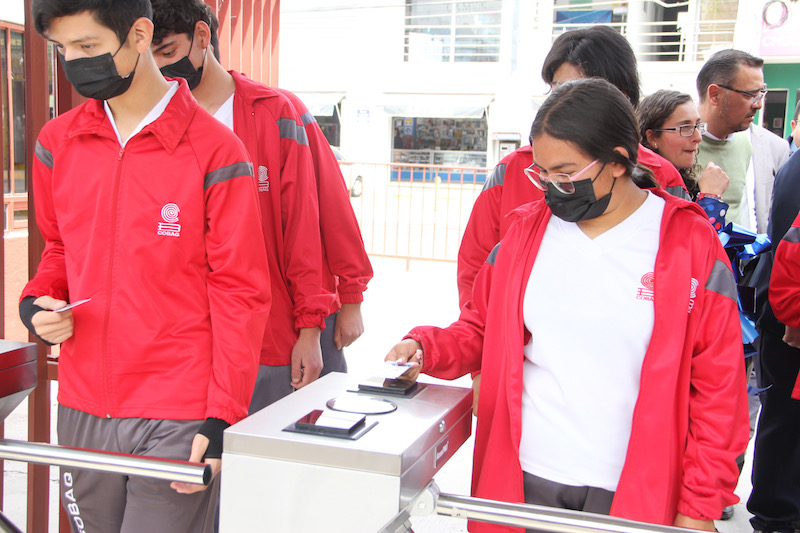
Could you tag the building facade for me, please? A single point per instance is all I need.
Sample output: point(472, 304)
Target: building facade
point(458, 81)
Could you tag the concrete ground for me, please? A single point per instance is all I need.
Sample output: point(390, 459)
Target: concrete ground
point(400, 297)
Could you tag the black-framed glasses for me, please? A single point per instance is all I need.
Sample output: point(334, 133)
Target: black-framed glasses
point(755, 96)
point(687, 130)
point(562, 181)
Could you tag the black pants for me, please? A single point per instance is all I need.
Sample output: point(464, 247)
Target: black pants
point(775, 499)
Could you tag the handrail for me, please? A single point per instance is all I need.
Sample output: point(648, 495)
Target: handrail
point(118, 463)
point(541, 518)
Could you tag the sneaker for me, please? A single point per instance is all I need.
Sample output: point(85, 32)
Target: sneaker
point(727, 513)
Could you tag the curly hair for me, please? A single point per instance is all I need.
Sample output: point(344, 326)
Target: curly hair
point(181, 16)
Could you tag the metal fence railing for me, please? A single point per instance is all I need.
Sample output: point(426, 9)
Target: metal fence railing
point(413, 211)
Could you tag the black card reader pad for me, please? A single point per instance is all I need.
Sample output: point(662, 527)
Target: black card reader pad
point(331, 424)
point(393, 387)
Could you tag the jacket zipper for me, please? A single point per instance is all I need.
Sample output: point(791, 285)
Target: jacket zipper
point(112, 251)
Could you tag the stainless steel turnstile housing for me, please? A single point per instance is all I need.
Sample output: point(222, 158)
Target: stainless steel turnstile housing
point(285, 482)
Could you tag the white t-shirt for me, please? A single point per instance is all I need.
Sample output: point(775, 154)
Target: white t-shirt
point(589, 308)
point(225, 113)
point(151, 116)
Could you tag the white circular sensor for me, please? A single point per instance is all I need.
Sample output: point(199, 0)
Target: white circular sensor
point(361, 405)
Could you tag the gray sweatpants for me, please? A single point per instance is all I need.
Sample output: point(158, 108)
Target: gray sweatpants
point(540, 491)
point(98, 501)
point(274, 382)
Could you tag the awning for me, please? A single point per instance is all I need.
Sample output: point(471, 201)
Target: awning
point(321, 104)
point(436, 105)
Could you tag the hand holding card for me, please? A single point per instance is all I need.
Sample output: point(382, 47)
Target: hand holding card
point(72, 305)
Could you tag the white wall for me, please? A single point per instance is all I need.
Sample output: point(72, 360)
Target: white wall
point(12, 11)
point(335, 46)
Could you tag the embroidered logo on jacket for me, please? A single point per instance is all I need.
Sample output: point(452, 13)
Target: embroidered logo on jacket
point(263, 179)
point(646, 292)
point(693, 293)
point(170, 226)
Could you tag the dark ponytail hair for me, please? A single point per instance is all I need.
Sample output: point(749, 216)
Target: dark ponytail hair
point(596, 117)
point(653, 112)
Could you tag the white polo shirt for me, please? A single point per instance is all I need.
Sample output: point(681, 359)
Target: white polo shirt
point(589, 308)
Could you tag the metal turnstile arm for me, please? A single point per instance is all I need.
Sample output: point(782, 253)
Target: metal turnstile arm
point(118, 463)
point(430, 500)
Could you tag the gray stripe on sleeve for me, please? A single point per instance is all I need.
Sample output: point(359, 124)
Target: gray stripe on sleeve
point(496, 177)
point(721, 281)
point(290, 130)
point(235, 170)
point(793, 235)
point(678, 191)
point(44, 155)
point(493, 254)
point(307, 118)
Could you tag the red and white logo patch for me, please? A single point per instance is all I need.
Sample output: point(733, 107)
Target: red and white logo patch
point(170, 226)
point(647, 290)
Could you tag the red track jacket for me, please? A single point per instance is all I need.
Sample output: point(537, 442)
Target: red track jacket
point(691, 419)
point(784, 284)
point(346, 269)
point(508, 188)
point(270, 128)
point(160, 235)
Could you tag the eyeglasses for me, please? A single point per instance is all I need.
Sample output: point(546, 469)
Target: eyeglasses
point(561, 181)
point(755, 96)
point(687, 130)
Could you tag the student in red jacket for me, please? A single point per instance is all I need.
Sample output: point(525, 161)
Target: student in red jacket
point(271, 129)
point(599, 52)
point(607, 335)
point(147, 207)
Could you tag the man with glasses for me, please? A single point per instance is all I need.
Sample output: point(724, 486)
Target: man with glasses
point(732, 90)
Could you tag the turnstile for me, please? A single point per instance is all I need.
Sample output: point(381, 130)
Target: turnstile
point(286, 482)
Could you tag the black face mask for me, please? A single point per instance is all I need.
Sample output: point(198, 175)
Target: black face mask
point(580, 205)
point(97, 77)
point(183, 68)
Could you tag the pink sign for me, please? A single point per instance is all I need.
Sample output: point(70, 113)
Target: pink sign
point(780, 30)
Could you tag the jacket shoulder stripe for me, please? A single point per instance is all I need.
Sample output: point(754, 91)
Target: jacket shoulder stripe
point(793, 235)
point(496, 177)
point(307, 118)
point(290, 130)
point(493, 254)
point(235, 170)
point(721, 281)
point(44, 155)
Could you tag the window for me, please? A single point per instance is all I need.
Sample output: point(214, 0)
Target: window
point(452, 31)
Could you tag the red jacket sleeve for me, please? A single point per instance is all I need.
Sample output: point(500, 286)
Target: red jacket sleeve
point(341, 235)
point(719, 426)
point(51, 276)
point(302, 244)
point(239, 301)
point(480, 237)
point(784, 285)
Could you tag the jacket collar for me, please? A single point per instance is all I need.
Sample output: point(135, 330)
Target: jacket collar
point(250, 91)
point(168, 129)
